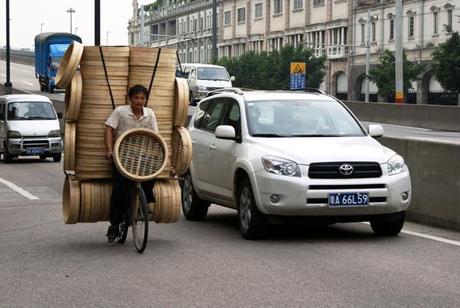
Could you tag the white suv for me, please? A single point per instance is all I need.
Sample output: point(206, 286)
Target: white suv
point(275, 156)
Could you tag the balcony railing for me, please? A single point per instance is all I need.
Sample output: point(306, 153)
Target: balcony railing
point(175, 10)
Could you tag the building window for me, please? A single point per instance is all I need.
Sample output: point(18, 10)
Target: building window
point(362, 33)
point(318, 1)
point(298, 4)
point(258, 10)
point(241, 15)
point(435, 22)
point(449, 20)
point(277, 7)
point(228, 18)
point(201, 22)
point(392, 29)
point(411, 26)
point(373, 39)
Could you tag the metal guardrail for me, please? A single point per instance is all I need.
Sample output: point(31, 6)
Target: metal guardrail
point(19, 56)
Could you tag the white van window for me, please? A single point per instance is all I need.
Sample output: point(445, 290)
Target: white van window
point(213, 73)
point(30, 111)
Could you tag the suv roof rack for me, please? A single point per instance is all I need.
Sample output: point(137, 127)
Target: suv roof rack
point(234, 90)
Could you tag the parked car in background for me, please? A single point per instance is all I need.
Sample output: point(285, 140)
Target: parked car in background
point(278, 156)
point(29, 126)
point(203, 78)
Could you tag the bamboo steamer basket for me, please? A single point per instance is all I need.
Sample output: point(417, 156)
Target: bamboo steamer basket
point(140, 154)
point(95, 201)
point(73, 98)
point(181, 150)
point(69, 64)
point(69, 146)
point(168, 201)
point(181, 100)
point(71, 200)
point(144, 56)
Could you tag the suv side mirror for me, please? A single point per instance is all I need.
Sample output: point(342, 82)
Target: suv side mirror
point(375, 130)
point(232, 78)
point(225, 132)
point(59, 115)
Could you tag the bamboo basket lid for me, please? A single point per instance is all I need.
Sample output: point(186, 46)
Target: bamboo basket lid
point(69, 146)
point(69, 64)
point(181, 96)
point(140, 154)
point(71, 200)
point(73, 98)
point(181, 150)
point(168, 201)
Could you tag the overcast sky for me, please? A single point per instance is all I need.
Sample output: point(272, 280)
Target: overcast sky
point(27, 15)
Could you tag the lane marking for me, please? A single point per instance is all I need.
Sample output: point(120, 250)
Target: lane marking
point(28, 83)
point(426, 236)
point(19, 190)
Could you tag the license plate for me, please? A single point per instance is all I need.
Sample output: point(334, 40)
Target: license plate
point(35, 151)
point(348, 199)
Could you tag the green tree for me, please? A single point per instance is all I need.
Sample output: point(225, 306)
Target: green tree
point(270, 71)
point(383, 74)
point(446, 63)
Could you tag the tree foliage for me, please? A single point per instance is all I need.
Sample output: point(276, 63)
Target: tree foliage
point(383, 74)
point(270, 71)
point(446, 63)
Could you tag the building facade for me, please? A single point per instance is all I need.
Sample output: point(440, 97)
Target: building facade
point(336, 29)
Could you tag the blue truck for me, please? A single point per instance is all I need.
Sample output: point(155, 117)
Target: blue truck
point(49, 49)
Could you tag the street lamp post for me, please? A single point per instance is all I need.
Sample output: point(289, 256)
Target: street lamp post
point(8, 84)
point(107, 38)
point(41, 27)
point(71, 11)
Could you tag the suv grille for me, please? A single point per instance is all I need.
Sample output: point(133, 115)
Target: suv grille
point(331, 170)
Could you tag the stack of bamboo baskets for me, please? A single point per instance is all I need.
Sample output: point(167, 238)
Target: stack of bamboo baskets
point(87, 189)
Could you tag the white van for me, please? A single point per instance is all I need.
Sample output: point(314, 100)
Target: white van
point(203, 78)
point(29, 126)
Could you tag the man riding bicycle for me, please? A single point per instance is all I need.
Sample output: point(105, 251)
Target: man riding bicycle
point(122, 119)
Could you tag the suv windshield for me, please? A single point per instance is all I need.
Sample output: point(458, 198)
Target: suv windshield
point(30, 111)
point(212, 73)
point(300, 118)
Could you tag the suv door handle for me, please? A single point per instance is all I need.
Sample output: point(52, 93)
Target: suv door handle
point(212, 147)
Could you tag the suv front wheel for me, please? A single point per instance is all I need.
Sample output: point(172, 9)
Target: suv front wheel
point(251, 222)
point(389, 225)
point(193, 207)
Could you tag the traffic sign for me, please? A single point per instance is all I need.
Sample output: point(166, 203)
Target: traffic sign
point(298, 67)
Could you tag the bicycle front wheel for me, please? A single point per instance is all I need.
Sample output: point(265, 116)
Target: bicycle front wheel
point(140, 220)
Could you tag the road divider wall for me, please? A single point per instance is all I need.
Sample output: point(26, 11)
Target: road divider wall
point(435, 176)
point(19, 56)
point(426, 116)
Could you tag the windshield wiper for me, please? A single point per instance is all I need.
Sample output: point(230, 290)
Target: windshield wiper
point(40, 118)
point(268, 135)
point(318, 135)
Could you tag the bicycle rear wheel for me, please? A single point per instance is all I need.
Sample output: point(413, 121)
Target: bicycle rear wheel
point(140, 220)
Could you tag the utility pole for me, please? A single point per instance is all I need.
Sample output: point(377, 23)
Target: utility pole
point(97, 22)
point(399, 94)
point(141, 32)
point(214, 31)
point(71, 11)
point(8, 84)
point(41, 27)
point(368, 54)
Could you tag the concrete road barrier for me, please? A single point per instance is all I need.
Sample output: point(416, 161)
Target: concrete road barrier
point(435, 175)
point(426, 116)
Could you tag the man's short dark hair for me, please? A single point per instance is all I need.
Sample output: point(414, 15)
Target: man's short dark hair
point(136, 90)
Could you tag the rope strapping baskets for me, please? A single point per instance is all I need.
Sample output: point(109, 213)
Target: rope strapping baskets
point(140, 154)
point(69, 65)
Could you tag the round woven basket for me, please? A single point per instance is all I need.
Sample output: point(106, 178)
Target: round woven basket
point(69, 65)
point(69, 146)
point(181, 150)
point(168, 201)
point(73, 98)
point(180, 102)
point(140, 154)
point(71, 200)
point(95, 201)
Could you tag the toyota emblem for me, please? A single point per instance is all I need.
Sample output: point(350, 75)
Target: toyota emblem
point(346, 169)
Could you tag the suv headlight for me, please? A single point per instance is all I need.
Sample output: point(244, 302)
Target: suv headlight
point(202, 88)
point(13, 134)
point(396, 165)
point(54, 133)
point(280, 166)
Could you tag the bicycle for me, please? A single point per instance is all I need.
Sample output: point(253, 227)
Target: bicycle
point(140, 155)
